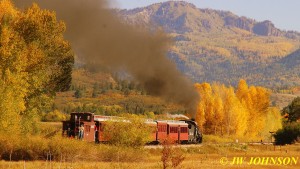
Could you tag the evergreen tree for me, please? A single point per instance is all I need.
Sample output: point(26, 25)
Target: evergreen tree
point(292, 110)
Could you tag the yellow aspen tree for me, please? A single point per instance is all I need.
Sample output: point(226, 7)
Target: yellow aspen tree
point(206, 104)
point(219, 94)
point(35, 62)
point(242, 89)
point(218, 122)
point(13, 80)
point(257, 111)
point(242, 116)
point(44, 36)
point(7, 9)
point(49, 57)
point(237, 115)
point(200, 116)
point(229, 111)
point(272, 122)
point(209, 113)
point(262, 99)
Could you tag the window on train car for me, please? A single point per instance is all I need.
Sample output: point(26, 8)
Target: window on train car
point(189, 126)
point(88, 118)
point(173, 130)
point(183, 130)
point(162, 128)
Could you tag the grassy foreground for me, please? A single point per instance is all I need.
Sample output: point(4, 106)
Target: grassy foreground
point(202, 156)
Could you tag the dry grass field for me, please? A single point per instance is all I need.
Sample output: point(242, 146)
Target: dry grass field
point(208, 156)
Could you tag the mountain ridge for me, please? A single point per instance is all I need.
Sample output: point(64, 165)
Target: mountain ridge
point(158, 10)
point(219, 46)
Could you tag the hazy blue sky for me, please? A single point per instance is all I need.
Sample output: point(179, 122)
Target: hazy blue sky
point(285, 14)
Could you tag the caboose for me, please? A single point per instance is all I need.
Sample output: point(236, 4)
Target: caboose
point(71, 128)
point(183, 131)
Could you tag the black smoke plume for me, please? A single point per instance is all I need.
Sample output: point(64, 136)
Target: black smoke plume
point(99, 37)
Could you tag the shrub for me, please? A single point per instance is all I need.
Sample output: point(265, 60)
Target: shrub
point(33, 148)
point(64, 149)
point(171, 156)
point(288, 135)
point(9, 144)
point(54, 116)
point(127, 132)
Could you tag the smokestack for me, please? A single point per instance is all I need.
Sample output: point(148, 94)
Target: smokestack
point(100, 38)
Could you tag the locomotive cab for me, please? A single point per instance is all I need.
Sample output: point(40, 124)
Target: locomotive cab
point(194, 134)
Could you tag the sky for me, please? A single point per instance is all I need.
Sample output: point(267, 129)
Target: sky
point(285, 14)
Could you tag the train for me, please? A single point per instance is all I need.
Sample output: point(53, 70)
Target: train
point(89, 127)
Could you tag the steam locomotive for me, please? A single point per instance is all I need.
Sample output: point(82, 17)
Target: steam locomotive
point(182, 131)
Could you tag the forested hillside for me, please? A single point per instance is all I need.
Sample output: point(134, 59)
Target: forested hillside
point(103, 93)
point(212, 45)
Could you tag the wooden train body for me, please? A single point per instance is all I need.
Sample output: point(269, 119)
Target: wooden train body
point(89, 127)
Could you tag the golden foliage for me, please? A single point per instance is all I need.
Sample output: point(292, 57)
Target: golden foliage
point(245, 111)
point(7, 9)
point(35, 61)
point(130, 131)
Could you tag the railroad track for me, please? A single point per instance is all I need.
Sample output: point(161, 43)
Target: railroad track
point(159, 146)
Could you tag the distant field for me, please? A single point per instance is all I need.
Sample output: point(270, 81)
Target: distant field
point(282, 100)
point(206, 156)
point(57, 125)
